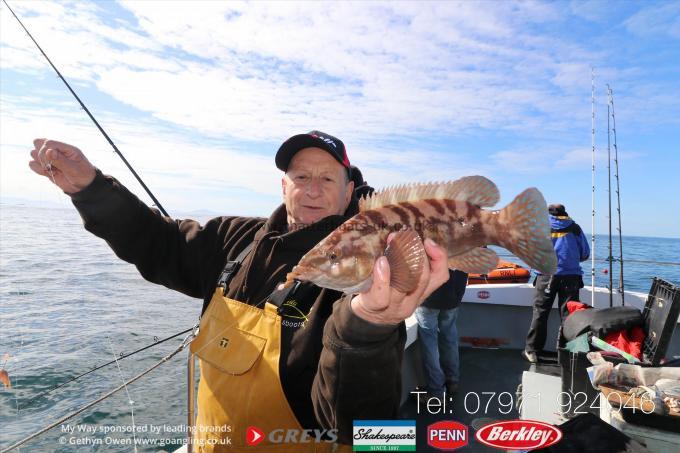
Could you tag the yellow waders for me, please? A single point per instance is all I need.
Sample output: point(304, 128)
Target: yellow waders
point(238, 346)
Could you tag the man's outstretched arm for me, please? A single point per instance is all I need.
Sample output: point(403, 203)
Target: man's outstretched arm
point(179, 254)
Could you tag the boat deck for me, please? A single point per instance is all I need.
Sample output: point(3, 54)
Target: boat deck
point(488, 391)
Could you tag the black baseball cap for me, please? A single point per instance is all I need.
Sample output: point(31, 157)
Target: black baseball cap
point(312, 139)
point(361, 187)
point(557, 210)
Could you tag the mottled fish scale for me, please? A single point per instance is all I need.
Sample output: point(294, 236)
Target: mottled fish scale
point(450, 214)
point(459, 224)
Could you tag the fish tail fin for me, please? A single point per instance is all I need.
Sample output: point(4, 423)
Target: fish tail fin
point(525, 231)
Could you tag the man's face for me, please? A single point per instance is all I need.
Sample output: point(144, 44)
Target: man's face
point(315, 186)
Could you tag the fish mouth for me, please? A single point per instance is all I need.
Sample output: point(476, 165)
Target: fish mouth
point(301, 273)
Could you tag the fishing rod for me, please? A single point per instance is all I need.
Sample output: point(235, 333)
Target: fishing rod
point(122, 356)
point(609, 193)
point(148, 191)
point(115, 148)
point(69, 416)
point(592, 175)
point(618, 194)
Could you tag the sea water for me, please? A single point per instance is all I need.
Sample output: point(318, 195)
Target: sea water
point(68, 304)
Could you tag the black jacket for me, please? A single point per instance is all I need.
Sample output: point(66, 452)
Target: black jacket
point(336, 369)
point(450, 294)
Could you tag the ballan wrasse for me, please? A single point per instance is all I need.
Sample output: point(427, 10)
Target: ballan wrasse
point(448, 213)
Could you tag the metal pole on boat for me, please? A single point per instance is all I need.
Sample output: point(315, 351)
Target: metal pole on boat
point(609, 192)
point(191, 398)
point(618, 196)
point(592, 227)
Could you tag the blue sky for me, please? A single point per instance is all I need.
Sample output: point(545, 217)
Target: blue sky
point(198, 96)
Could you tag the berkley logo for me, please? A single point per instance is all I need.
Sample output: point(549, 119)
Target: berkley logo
point(519, 435)
point(447, 435)
point(483, 294)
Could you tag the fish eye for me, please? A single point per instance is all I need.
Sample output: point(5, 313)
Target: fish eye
point(334, 254)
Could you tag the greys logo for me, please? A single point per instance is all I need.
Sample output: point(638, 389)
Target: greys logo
point(300, 436)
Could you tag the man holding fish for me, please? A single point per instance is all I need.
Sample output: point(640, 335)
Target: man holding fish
point(325, 347)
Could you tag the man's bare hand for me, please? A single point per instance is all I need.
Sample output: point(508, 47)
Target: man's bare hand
point(63, 164)
point(382, 304)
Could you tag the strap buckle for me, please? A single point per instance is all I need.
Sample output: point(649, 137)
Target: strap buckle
point(227, 273)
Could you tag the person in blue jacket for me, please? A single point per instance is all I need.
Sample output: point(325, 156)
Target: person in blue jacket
point(571, 248)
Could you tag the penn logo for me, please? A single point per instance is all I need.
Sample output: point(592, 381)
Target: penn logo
point(447, 435)
point(519, 435)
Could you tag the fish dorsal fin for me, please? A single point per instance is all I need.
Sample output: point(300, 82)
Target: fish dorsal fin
point(479, 260)
point(476, 190)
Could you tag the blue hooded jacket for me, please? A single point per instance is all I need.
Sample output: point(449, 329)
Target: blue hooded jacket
point(571, 245)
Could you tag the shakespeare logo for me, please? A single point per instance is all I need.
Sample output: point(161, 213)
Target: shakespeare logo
point(384, 435)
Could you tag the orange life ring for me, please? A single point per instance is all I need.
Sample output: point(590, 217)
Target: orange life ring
point(505, 272)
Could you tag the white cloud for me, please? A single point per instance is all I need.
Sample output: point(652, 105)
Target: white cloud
point(418, 68)
point(558, 159)
point(185, 175)
point(260, 70)
point(403, 83)
point(592, 10)
point(660, 19)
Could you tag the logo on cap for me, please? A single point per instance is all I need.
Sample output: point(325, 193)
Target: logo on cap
point(325, 139)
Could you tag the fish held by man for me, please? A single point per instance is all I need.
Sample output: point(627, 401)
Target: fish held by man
point(448, 213)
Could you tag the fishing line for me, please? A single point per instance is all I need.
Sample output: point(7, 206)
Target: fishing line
point(132, 403)
point(115, 148)
point(161, 209)
point(606, 260)
point(181, 347)
point(120, 154)
point(123, 356)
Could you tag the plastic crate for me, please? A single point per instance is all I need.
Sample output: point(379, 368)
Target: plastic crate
point(578, 396)
point(660, 317)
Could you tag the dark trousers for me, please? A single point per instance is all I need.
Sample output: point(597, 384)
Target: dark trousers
point(566, 288)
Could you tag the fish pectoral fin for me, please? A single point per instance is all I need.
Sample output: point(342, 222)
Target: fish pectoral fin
point(406, 257)
point(479, 260)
